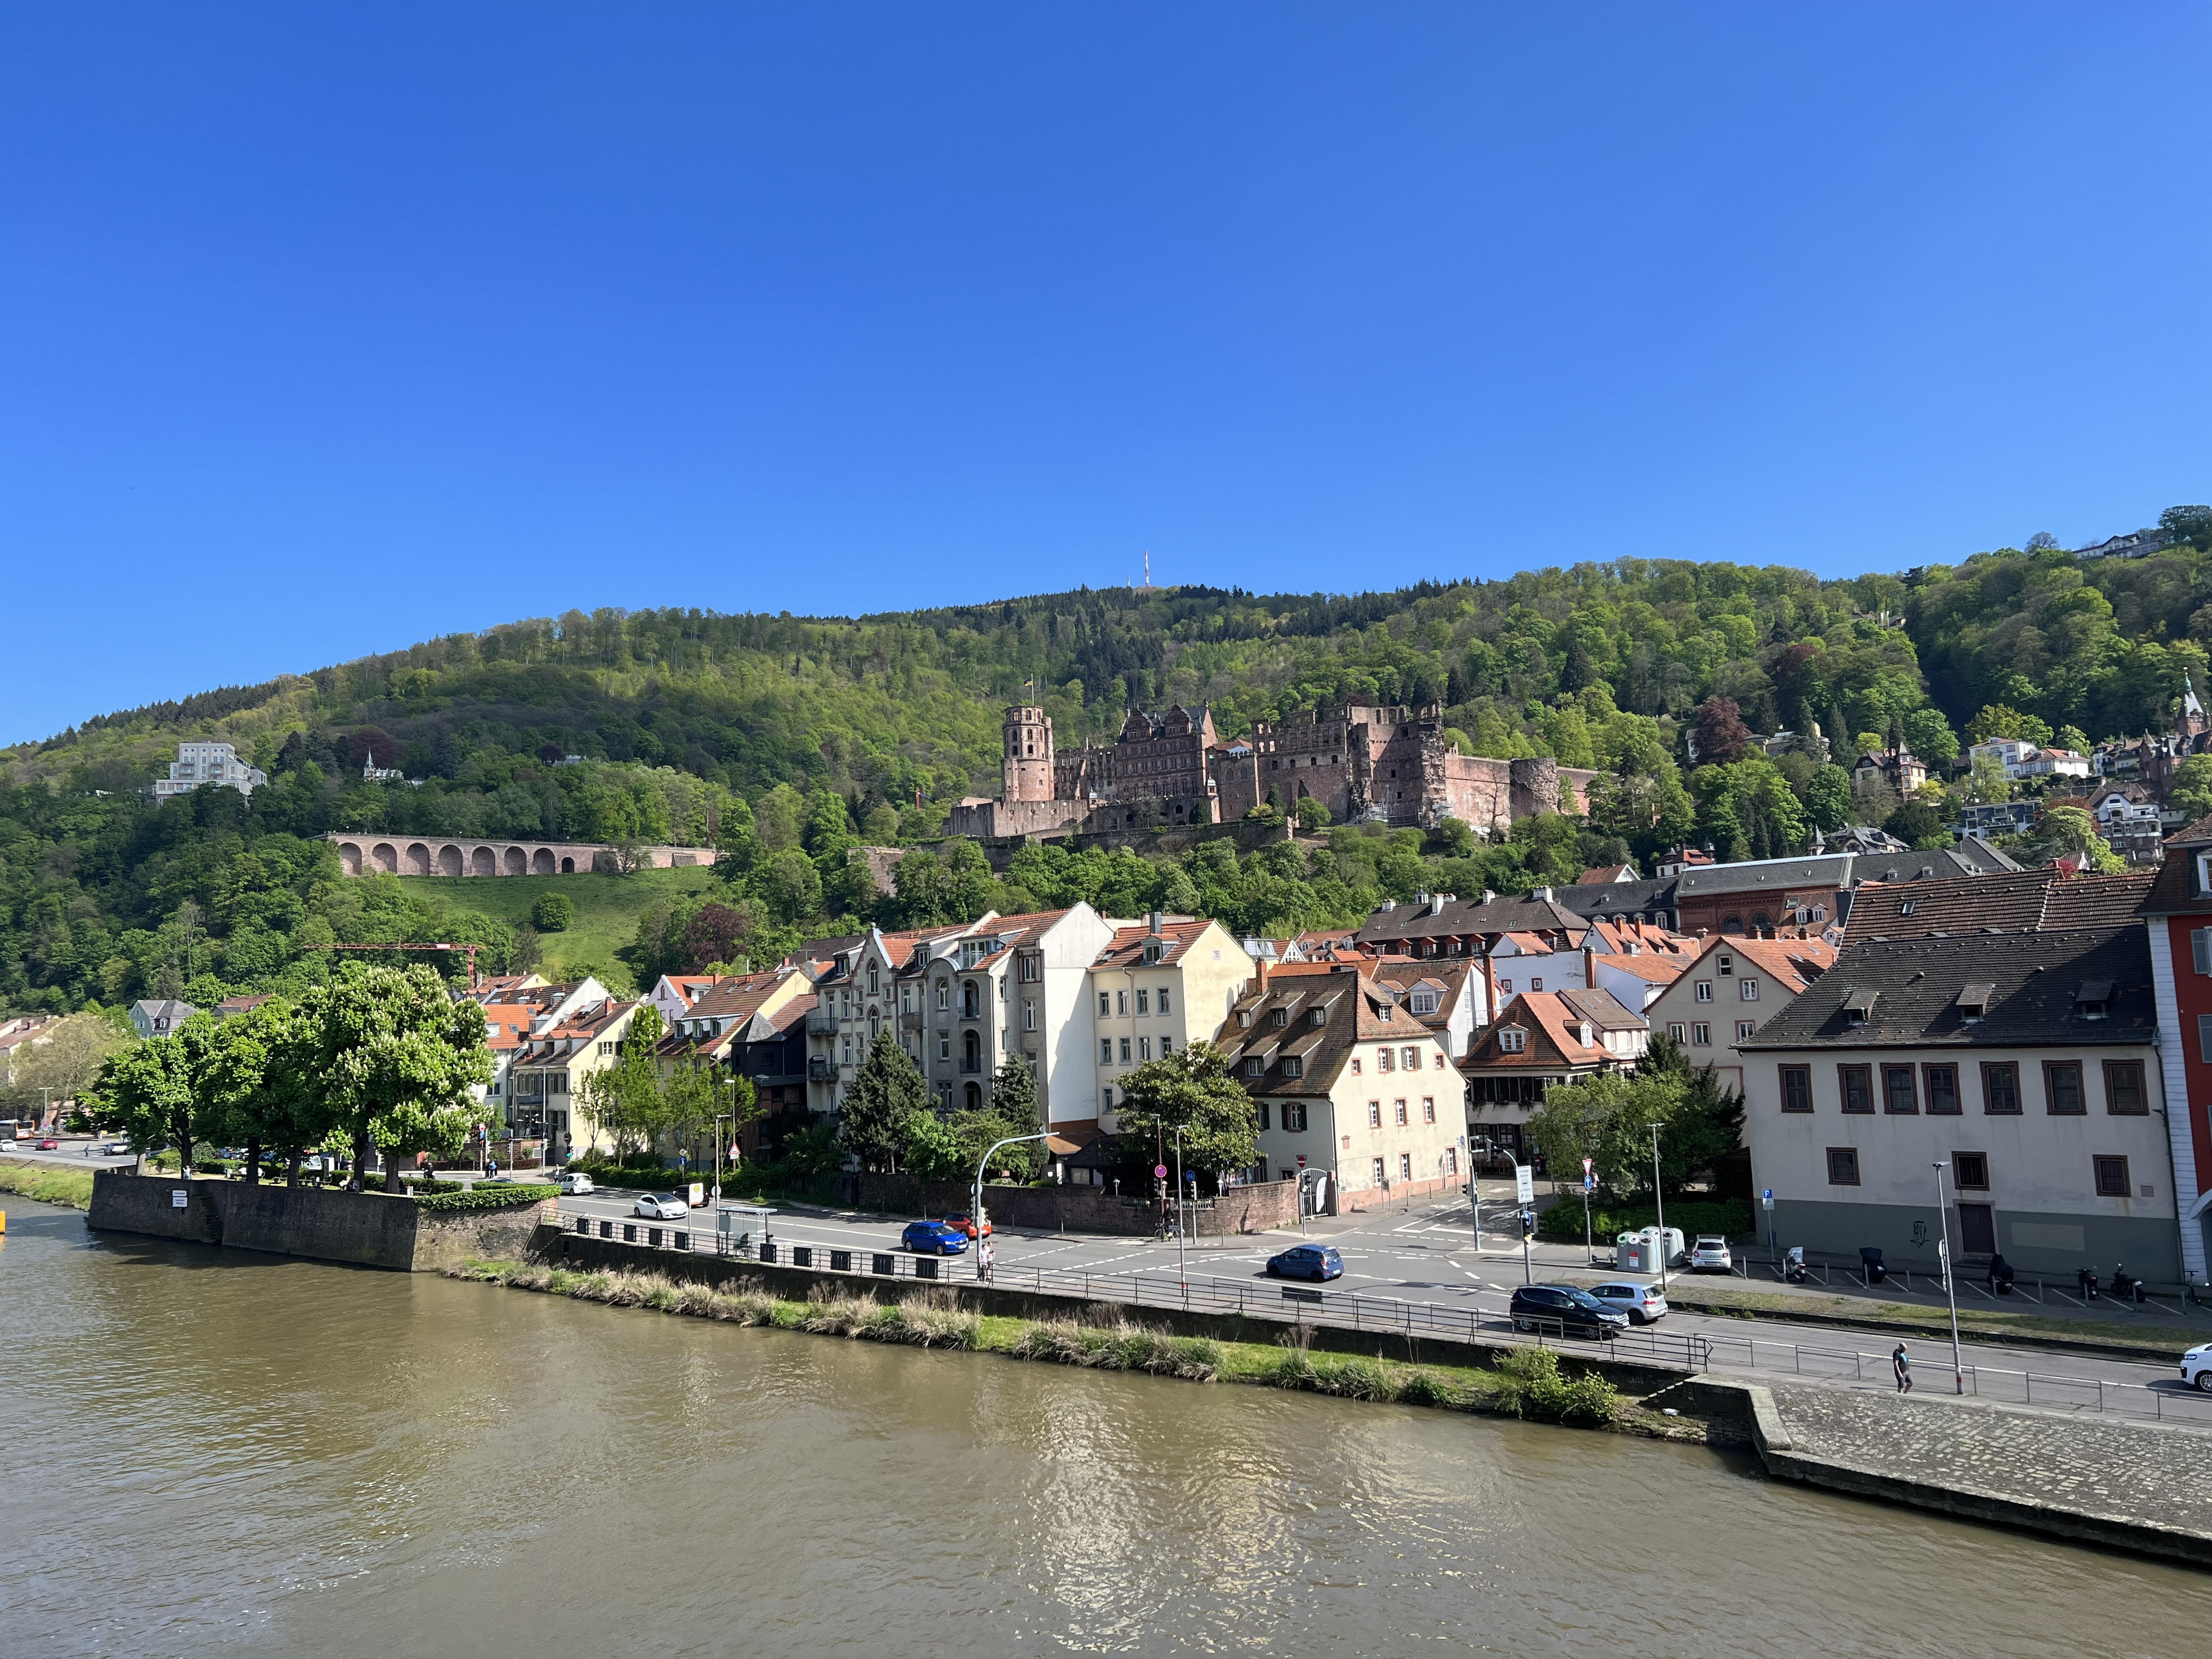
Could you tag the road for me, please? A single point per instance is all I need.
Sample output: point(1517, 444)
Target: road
point(1425, 1254)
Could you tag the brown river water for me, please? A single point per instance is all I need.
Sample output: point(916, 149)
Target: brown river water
point(205, 1451)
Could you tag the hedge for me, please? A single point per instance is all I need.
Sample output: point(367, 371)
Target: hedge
point(1564, 1220)
point(488, 1198)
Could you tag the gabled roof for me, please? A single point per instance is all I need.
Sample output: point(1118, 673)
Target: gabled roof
point(1555, 1020)
point(1910, 992)
point(1356, 1009)
point(1444, 917)
point(1792, 964)
point(1127, 948)
point(1607, 872)
point(2020, 900)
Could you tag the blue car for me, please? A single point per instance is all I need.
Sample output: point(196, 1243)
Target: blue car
point(933, 1238)
point(1307, 1261)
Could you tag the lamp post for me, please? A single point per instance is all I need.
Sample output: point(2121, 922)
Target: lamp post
point(1659, 1199)
point(720, 1118)
point(1183, 1272)
point(976, 1213)
point(1950, 1291)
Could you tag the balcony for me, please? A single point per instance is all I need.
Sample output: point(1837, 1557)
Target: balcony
point(910, 1022)
point(821, 1022)
point(971, 1068)
point(819, 1070)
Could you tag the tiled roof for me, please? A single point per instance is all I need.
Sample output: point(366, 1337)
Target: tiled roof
point(1794, 963)
point(1354, 1010)
point(1911, 990)
point(1450, 918)
point(1650, 965)
point(2019, 900)
point(1126, 947)
point(1607, 872)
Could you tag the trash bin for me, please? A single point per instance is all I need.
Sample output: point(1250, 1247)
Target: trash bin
point(1871, 1257)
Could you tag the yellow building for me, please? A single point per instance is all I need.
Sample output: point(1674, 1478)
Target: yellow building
point(1160, 986)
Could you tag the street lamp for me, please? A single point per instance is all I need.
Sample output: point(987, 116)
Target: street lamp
point(1660, 1200)
point(1182, 1273)
point(975, 1214)
point(1950, 1291)
point(720, 1118)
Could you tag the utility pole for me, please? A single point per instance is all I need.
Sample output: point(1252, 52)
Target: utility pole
point(1659, 1199)
point(1951, 1290)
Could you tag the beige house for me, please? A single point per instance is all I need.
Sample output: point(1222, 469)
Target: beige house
point(546, 1076)
point(1156, 988)
point(1351, 1090)
point(1729, 992)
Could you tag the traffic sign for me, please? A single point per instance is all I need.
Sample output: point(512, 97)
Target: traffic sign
point(1524, 1184)
point(1159, 1172)
point(1766, 1198)
point(1302, 1160)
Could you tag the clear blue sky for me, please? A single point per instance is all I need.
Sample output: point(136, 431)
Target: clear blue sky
point(326, 328)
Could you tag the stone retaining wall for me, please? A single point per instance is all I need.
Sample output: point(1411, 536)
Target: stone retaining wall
point(1080, 1209)
point(370, 1230)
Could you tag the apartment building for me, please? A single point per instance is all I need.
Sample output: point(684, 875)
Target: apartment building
point(1442, 995)
point(2028, 1066)
point(203, 764)
point(1541, 1039)
point(573, 1032)
point(1347, 1084)
point(1729, 989)
point(752, 1026)
point(1158, 986)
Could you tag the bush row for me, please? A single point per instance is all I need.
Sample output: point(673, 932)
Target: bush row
point(486, 1198)
point(1564, 1220)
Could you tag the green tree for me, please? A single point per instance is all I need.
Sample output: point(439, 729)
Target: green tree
point(627, 1099)
point(61, 1065)
point(261, 1074)
point(886, 1091)
point(152, 1093)
point(397, 1057)
point(2071, 829)
point(1606, 1118)
point(554, 913)
point(1827, 797)
point(788, 886)
point(2192, 787)
point(1192, 1091)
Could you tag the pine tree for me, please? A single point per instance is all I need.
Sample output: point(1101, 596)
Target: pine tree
point(887, 1089)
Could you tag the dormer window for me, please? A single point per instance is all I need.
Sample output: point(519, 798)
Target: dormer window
point(1154, 950)
point(1318, 1016)
point(1586, 1034)
point(2094, 998)
point(1425, 1002)
point(1974, 1002)
point(1512, 1040)
point(1282, 1018)
point(1858, 1008)
point(1385, 1011)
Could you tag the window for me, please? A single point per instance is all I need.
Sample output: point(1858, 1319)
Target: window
point(1704, 990)
point(1746, 1030)
point(1144, 1048)
point(1856, 1085)
point(875, 979)
point(2123, 1089)
point(1029, 1016)
point(1678, 1031)
point(1750, 989)
point(1166, 1047)
point(1256, 1067)
point(1294, 1115)
point(1106, 1098)
point(1970, 1172)
point(1382, 1060)
point(1797, 1088)
point(1940, 1084)
point(1106, 1052)
point(1355, 1064)
point(1164, 999)
point(2200, 948)
point(2111, 1177)
point(1409, 1060)
point(1377, 1178)
point(1262, 1109)
point(1451, 1161)
point(1425, 1002)
point(1032, 970)
point(1374, 1113)
point(1293, 1066)
point(1398, 1113)
point(1405, 1166)
point(1121, 1004)
point(1106, 1007)
point(1512, 1040)
point(1318, 1017)
point(1701, 1034)
point(1897, 1098)
point(1144, 1002)
point(2061, 1088)
point(944, 996)
point(1843, 1166)
point(1124, 1051)
point(1727, 965)
point(2000, 1088)
point(1505, 987)
point(1536, 984)
point(1428, 1108)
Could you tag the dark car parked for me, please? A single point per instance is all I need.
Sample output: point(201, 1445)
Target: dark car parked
point(1314, 1262)
point(1563, 1310)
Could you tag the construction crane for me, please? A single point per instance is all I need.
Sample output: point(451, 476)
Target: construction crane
point(405, 944)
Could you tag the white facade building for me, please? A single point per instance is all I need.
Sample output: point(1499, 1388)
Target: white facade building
point(199, 763)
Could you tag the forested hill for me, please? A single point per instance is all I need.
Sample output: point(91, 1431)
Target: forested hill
point(683, 718)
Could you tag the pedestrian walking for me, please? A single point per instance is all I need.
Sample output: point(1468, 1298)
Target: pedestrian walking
point(1901, 1362)
point(985, 1259)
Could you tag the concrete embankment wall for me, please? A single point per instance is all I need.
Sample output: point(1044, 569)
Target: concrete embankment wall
point(370, 1230)
point(571, 1250)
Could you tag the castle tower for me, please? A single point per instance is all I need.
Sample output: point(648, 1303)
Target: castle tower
point(1026, 773)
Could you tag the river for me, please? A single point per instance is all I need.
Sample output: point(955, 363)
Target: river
point(209, 1450)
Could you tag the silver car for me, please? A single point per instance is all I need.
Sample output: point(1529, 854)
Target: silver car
point(1710, 1255)
point(1641, 1303)
point(662, 1206)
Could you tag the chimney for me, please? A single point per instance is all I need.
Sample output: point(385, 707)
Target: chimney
point(1542, 893)
point(1487, 895)
point(1260, 968)
point(1159, 921)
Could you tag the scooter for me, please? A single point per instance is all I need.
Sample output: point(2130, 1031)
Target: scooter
point(2126, 1284)
point(1793, 1265)
point(2087, 1277)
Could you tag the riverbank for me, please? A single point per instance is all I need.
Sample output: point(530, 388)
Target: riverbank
point(47, 1183)
point(1526, 1382)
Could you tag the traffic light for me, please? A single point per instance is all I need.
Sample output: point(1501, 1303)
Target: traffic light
point(1528, 1224)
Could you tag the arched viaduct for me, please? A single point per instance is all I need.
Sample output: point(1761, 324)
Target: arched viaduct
point(455, 855)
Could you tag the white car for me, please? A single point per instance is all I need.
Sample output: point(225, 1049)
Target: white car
point(662, 1206)
point(573, 1182)
point(1641, 1303)
point(1710, 1255)
point(2197, 1367)
point(117, 1149)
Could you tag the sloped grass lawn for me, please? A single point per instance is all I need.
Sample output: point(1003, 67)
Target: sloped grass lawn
point(607, 909)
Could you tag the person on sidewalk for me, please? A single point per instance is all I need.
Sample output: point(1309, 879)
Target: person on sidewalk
point(1901, 1362)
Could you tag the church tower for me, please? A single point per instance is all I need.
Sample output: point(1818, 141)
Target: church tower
point(1027, 770)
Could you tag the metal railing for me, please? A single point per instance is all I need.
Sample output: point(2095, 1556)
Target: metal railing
point(1289, 1305)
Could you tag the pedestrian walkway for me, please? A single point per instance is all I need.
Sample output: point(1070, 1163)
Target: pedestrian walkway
point(2085, 1476)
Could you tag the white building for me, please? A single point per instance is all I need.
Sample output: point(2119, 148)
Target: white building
point(199, 763)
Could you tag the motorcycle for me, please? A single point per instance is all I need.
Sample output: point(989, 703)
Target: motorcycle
point(1793, 1265)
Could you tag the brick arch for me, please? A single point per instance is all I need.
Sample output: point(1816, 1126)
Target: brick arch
point(418, 858)
point(384, 858)
point(350, 857)
point(541, 861)
point(484, 862)
point(513, 862)
point(567, 866)
point(449, 860)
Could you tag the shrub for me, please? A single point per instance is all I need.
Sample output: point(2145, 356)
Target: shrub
point(1424, 1389)
point(554, 913)
point(1122, 1347)
point(1564, 1220)
point(486, 1198)
point(1530, 1386)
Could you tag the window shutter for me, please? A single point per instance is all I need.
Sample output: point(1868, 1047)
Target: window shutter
point(2200, 947)
point(2204, 1037)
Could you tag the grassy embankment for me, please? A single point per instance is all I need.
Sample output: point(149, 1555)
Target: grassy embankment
point(1526, 1383)
point(47, 1184)
point(607, 909)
